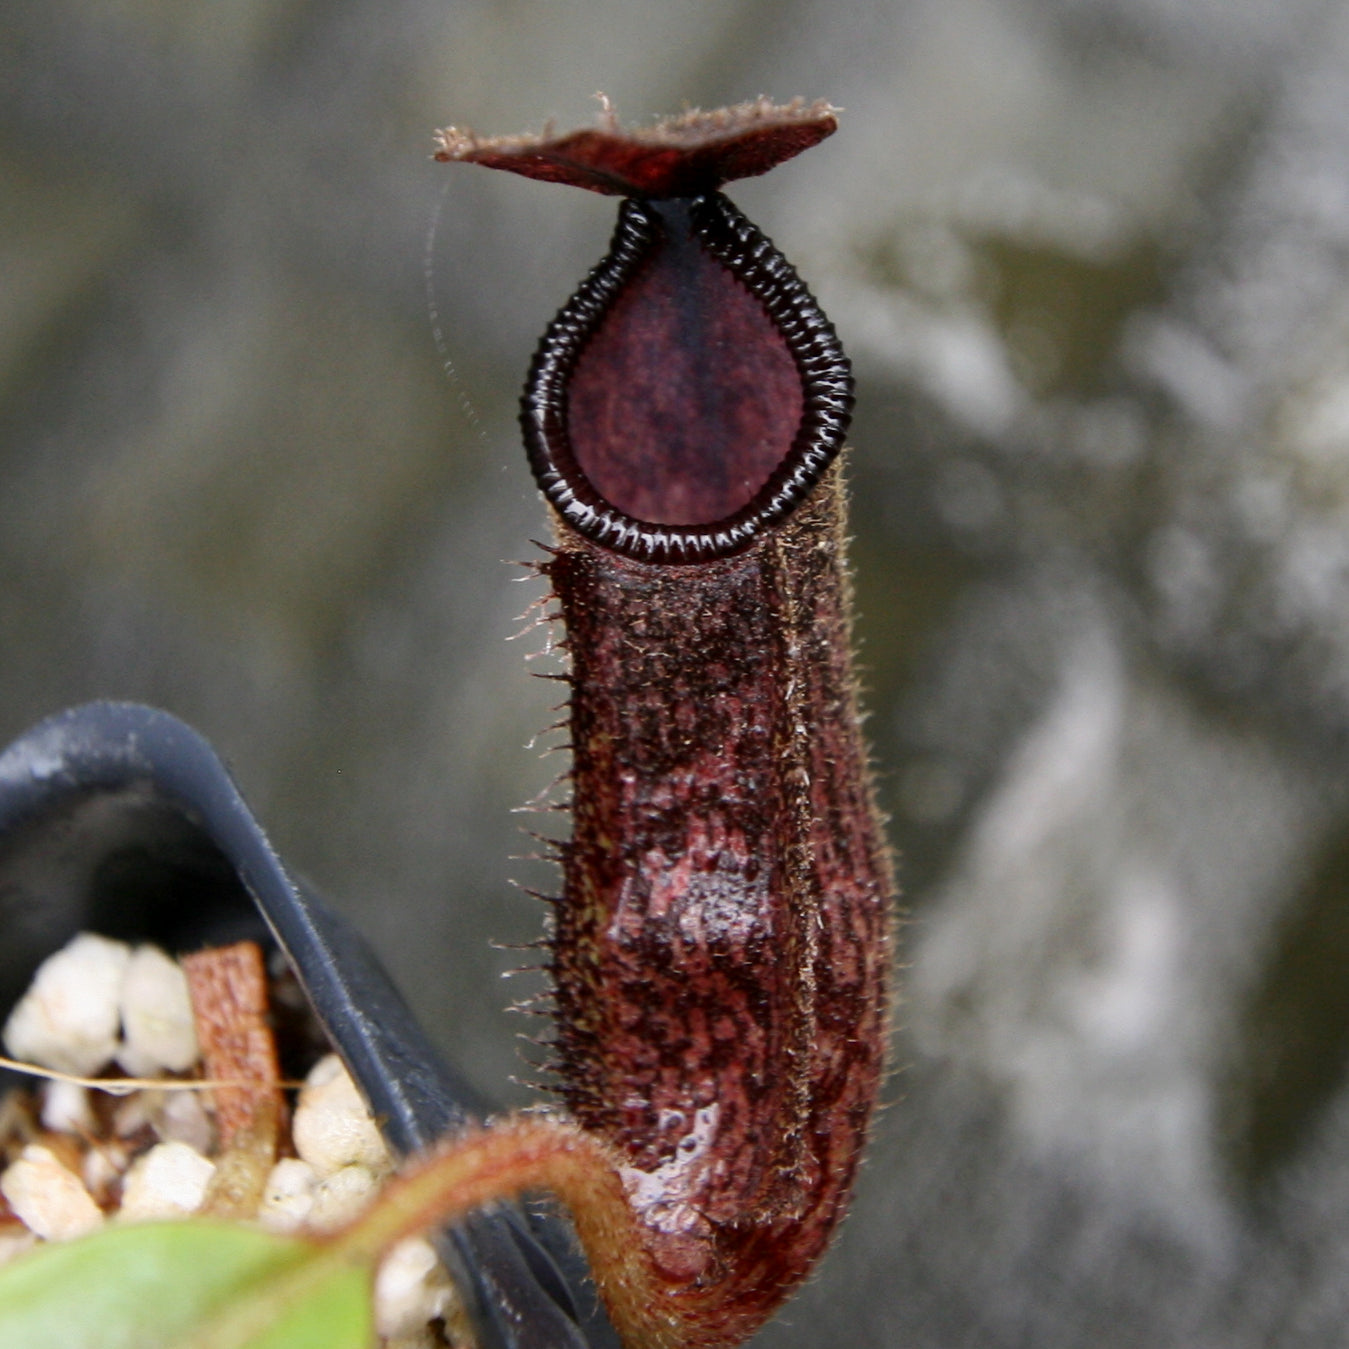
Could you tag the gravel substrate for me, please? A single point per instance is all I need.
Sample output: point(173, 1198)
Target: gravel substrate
point(74, 1157)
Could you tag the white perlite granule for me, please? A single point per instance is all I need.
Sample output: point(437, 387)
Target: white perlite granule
point(169, 1181)
point(341, 1197)
point(47, 1198)
point(180, 1117)
point(411, 1289)
point(335, 1135)
point(332, 1125)
point(288, 1196)
point(66, 1109)
point(69, 1018)
point(157, 1027)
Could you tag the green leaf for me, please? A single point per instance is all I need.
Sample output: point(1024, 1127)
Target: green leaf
point(185, 1285)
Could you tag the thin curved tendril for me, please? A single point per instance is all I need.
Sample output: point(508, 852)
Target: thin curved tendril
point(433, 314)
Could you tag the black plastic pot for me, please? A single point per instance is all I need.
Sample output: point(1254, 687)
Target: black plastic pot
point(122, 820)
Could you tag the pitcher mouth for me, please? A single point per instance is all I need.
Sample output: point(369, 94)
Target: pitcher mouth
point(793, 324)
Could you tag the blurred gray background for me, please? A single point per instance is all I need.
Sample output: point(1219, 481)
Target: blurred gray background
point(1090, 257)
